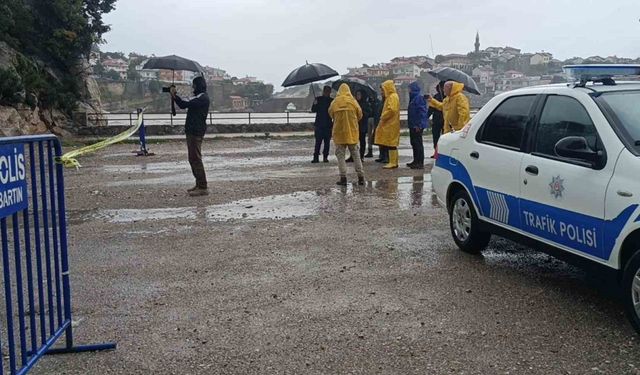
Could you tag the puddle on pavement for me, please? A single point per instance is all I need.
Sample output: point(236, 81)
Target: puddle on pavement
point(277, 207)
point(210, 163)
point(129, 215)
point(404, 193)
point(409, 192)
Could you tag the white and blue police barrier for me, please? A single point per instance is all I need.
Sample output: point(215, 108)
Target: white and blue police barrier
point(35, 265)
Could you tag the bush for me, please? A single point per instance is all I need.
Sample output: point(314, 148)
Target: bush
point(11, 87)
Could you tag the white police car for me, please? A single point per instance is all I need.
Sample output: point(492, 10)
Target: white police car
point(555, 167)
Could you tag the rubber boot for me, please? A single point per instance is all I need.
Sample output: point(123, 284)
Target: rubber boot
point(384, 157)
point(393, 160)
point(361, 180)
point(369, 153)
point(342, 181)
point(315, 159)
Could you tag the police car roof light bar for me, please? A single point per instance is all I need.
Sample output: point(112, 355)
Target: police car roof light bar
point(579, 75)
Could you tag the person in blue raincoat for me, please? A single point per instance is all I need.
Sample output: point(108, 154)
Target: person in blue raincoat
point(417, 119)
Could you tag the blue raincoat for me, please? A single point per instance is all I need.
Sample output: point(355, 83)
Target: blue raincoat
point(417, 113)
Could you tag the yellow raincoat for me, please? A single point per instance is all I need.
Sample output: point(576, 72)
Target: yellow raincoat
point(455, 109)
point(388, 130)
point(345, 112)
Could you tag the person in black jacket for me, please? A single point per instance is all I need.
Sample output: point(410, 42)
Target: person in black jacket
point(437, 120)
point(323, 124)
point(363, 124)
point(195, 128)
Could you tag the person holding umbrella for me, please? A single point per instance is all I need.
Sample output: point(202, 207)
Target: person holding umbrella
point(322, 125)
point(417, 118)
point(363, 125)
point(309, 73)
point(388, 130)
point(374, 117)
point(346, 113)
point(195, 128)
point(455, 107)
point(437, 121)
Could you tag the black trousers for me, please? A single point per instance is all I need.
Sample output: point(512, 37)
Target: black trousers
point(363, 144)
point(417, 145)
point(435, 132)
point(323, 135)
point(194, 149)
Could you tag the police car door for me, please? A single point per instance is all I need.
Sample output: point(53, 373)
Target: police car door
point(562, 199)
point(495, 158)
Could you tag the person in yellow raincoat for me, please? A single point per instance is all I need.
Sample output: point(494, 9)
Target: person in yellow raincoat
point(455, 107)
point(388, 130)
point(346, 113)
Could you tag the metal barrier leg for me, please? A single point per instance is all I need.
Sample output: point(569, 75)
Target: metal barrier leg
point(47, 244)
point(19, 291)
point(7, 294)
point(36, 226)
point(142, 135)
point(54, 232)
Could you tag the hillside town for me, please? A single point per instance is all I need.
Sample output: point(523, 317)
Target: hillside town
point(495, 70)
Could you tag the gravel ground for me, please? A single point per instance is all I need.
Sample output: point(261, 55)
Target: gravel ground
point(278, 271)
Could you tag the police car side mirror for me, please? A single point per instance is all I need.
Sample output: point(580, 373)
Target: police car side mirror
point(577, 148)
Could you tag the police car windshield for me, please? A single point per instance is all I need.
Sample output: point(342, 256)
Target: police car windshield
point(625, 105)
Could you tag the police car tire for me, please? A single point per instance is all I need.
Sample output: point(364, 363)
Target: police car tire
point(477, 239)
point(632, 267)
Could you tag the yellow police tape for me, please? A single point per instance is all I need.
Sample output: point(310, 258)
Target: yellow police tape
point(69, 159)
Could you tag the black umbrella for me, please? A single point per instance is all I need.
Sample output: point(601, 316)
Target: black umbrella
point(451, 74)
point(356, 84)
point(173, 63)
point(308, 73)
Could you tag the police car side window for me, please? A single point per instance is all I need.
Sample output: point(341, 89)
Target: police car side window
point(561, 117)
point(506, 125)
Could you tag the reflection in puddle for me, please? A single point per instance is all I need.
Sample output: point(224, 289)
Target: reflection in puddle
point(404, 193)
point(409, 192)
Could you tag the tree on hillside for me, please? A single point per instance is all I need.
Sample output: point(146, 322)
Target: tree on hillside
point(56, 34)
point(112, 74)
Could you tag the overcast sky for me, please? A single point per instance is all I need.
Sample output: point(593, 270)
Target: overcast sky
point(268, 38)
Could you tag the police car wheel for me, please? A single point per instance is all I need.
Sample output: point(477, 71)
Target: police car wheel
point(465, 226)
point(631, 290)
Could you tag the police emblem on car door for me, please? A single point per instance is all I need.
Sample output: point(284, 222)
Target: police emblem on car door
point(556, 186)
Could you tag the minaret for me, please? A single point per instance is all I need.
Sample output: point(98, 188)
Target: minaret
point(477, 42)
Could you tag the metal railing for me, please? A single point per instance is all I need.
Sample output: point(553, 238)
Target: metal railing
point(213, 118)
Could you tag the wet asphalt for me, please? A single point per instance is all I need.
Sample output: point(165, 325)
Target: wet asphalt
point(278, 271)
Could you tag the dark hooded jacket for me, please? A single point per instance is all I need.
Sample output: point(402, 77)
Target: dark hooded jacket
point(365, 105)
point(437, 121)
point(417, 113)
point(197, 109)
point(321, 109)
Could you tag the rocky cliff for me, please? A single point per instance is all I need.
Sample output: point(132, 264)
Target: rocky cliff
point(34, 118)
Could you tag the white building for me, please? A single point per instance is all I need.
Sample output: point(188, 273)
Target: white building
point(484, 74)
point(541, 58)
point(146, 74)
point(407, 70)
